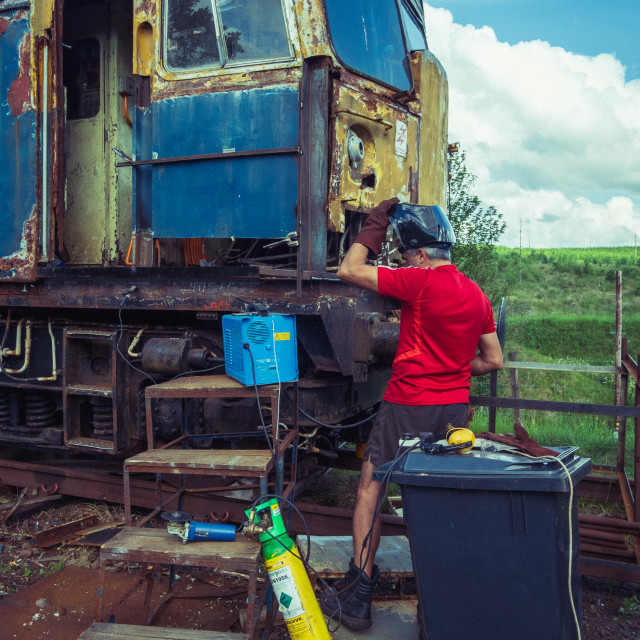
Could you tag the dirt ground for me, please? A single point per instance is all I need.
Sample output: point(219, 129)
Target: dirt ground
point(50, 593)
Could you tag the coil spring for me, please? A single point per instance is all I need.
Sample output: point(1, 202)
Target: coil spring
point(102, 418)
point(40, 410)
point(5, 409)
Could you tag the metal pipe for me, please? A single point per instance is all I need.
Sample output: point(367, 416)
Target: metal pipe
point(18, 350)
point(54, 362)
point(45, 152)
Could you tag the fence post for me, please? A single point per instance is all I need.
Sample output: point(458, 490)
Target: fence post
point(515, 389)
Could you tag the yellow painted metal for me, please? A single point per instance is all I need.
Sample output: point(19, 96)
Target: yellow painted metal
point(97, 223)
point(303, 616)
point(431, 86)
point(146, 43)
point(41, 16)
point(388, 164)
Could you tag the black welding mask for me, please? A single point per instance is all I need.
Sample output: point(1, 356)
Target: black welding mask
point(422, 226)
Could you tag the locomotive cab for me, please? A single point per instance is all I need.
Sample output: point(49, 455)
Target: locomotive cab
point(171, 161)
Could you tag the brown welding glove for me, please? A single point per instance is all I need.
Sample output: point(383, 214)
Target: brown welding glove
point(375, 226)
point(520, 439)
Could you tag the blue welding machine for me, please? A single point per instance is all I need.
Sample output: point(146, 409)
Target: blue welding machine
point(265, 345)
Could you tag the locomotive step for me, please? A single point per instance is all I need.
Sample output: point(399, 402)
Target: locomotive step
point(224, 462)
point(158, 546)
point(104, 631)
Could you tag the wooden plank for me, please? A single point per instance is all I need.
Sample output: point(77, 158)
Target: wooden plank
point(330, 556)
point(211, 461)
point(159, 546)
point(205, 386)
point(106, 631)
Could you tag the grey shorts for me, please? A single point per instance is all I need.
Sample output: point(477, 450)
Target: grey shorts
point(394, 420)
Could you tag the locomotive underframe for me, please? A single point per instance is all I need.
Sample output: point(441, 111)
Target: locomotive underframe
point(92, 316)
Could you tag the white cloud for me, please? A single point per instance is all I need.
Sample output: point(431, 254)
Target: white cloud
point(550, 134)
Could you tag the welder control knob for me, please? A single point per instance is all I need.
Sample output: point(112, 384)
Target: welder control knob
point(175, 516)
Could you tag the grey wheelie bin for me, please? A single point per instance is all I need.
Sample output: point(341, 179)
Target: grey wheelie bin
point(492, 537)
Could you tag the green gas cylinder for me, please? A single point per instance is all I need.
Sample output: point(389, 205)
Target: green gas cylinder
point(287, 573)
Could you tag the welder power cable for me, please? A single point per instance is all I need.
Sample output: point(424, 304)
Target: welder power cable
point(336, 427)
point(382, 491)
point(276, 431)
point(264, 426)
point(570, 522)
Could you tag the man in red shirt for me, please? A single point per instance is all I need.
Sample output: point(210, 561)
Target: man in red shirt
point(447, 334)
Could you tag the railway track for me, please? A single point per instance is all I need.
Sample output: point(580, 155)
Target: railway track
point(604, 549)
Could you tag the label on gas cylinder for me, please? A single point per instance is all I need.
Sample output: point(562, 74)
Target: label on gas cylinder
point(286, 591)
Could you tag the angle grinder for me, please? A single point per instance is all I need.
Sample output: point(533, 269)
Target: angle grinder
point(181, 525)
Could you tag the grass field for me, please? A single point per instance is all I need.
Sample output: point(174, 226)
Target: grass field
point(561, 307)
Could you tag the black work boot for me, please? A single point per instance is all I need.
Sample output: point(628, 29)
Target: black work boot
point(352, 606)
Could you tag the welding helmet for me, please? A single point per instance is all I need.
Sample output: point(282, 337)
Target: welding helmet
point(422, 226)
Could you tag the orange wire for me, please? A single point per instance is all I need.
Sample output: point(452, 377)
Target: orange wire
point(126, 112)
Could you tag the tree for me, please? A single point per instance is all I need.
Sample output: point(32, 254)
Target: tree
point(477, 227)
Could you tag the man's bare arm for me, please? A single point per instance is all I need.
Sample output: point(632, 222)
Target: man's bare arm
point(489, 356)
point(355, 270)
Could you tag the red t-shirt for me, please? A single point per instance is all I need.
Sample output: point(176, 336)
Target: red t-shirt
point(443, 316)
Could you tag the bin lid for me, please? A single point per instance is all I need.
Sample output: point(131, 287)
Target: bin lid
point(501, 470)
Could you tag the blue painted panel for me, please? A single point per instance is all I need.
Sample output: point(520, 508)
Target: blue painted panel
point(17, 145)
point(240, 197)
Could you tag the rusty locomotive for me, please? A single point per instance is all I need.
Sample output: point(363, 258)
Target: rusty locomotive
point(166, 162)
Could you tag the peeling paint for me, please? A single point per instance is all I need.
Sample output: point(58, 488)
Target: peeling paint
point(23, 262)
point(19, 94)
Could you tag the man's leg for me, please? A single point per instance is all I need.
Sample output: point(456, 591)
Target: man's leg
point(363, 515)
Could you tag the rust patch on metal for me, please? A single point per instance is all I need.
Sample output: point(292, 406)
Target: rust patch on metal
point(22, 264)
point(18, 97)
point(147, 6)
point(4, 25)
point(168, 88)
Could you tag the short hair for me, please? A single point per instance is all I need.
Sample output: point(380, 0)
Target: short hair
point(434, 253)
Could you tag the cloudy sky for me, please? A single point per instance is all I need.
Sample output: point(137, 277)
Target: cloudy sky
point(545, 100)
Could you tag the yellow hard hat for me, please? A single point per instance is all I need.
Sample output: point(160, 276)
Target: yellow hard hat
point(459, 436)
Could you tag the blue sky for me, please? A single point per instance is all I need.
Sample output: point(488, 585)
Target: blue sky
point(588, 27)
point(544, 98)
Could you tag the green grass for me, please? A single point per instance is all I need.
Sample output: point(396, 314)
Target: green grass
point(561, 308)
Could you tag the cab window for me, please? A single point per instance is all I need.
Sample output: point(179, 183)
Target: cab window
point(199, 34)
point(367, 37)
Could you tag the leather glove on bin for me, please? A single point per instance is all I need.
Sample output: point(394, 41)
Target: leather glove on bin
point(375, 226)
point(520, 439)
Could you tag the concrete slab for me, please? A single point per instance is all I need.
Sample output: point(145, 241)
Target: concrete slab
point(330, 556)
point(392, 620)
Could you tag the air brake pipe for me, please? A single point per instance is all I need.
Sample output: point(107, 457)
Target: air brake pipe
point(45, 152)
point(18, 350)
point(54, 363)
